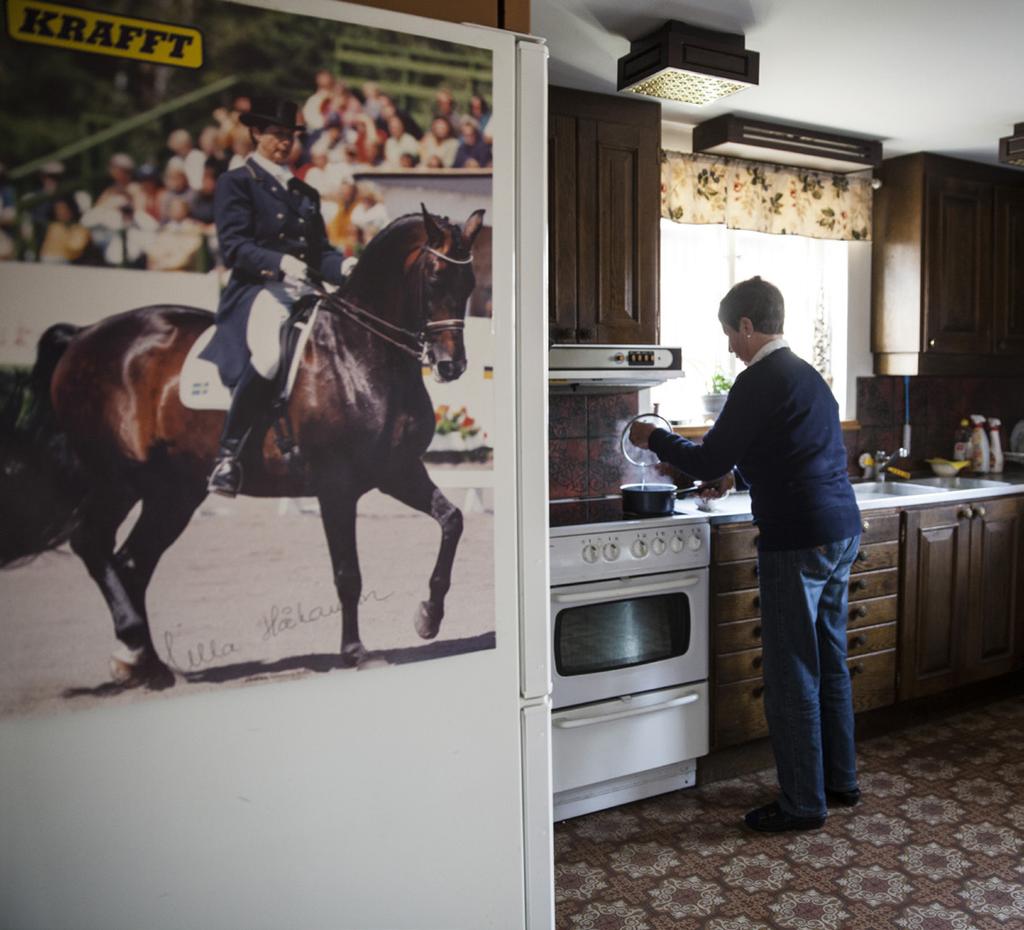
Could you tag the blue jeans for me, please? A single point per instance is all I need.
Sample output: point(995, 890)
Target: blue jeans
point(807, 698)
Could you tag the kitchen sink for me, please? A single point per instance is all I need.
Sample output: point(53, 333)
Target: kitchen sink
point(891, 489)
point(956, 483)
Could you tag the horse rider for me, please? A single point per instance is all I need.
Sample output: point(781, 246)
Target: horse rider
point(271, 234)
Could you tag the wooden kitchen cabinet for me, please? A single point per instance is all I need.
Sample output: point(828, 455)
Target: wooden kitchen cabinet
point(603, 215)
point(960, 620)
point(738, 689)
point(947, 284)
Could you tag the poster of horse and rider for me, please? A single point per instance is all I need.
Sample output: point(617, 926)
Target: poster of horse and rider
point(247, 351)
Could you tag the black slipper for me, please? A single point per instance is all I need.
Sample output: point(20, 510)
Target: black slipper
point(773, 819)
point(843, 798)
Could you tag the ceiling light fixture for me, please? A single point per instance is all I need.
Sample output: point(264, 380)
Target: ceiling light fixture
point(688, 64)
point(1011, 148)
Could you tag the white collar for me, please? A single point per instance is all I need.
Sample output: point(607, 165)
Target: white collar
point(278, 172)
point(767, 349)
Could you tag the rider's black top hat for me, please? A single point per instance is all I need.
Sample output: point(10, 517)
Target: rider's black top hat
point(271, 111)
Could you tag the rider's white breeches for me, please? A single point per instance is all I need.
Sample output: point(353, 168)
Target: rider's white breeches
point(263, 331)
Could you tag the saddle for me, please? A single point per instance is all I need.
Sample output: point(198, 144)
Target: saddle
point(200, 386)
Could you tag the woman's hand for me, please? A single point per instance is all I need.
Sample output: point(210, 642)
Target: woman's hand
point(640, 433)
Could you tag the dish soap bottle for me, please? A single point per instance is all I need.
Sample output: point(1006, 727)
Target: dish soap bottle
point(962, 441)
point(979, 445)
point(995, 445)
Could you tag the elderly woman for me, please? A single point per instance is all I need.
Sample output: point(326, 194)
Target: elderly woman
point(271, 235)
point(780, 427)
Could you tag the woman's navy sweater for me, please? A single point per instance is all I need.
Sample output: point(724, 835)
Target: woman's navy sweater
point(780, 429)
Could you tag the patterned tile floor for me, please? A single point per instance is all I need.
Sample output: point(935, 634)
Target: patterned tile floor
point(936, 844)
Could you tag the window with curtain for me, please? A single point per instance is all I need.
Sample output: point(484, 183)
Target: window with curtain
point(699, 263)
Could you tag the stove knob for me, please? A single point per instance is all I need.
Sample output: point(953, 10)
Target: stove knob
point(695, 542)
point(677, 544)
point(658, 546)
point(611, 552)
point(590, 553)
point(639, 548)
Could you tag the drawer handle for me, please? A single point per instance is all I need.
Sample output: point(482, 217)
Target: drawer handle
point(758, 691)
point(857, 641)
point(865, 526)
point(862, 556)
point(572, 722)
point(756, 662)
point(757, 570)
point(965, 513)
point(858, 585)
point(756, 632)
point(861, 611)
point(756, 602)
point(856, 670)
point(979, 511)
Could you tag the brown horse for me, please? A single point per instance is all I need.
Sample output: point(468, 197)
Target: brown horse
point(360, 411)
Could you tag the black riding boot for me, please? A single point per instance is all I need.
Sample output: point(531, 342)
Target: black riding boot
point(248, 402)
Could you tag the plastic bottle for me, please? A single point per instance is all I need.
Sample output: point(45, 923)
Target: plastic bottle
point(962, 441)
point(979, 445)
point(995, 445)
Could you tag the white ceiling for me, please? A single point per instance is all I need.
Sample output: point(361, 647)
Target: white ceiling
point(920, 75)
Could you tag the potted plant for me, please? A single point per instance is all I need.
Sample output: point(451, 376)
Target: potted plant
point(714, 400)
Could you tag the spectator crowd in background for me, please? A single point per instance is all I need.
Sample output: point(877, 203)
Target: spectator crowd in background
point(159, 215)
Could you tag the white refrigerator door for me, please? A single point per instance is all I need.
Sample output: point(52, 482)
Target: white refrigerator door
point(379, 798)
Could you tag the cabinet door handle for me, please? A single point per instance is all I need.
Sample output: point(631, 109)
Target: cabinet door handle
point(756, 632)
point(965, 513)
point(857, 641)
point(860, 612)
point(978, 511)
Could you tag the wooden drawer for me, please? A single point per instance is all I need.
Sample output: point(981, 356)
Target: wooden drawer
point(734, 637)
point(737, 666)
point(873, 610)
point(736, 605)
point(874, 584)
point(874, 680)
point(875, 556)
point(879, 526)
point(735, 576)
point(732, 542)
point(739, 706)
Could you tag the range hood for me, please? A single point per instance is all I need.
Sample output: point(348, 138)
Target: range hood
point(591, 369)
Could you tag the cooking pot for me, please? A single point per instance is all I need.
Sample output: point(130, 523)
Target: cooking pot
point(651, 500)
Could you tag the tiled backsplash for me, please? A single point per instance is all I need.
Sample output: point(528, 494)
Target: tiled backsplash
point(936, 407)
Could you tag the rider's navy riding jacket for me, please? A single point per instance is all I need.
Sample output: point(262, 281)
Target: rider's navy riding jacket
point(259, 220)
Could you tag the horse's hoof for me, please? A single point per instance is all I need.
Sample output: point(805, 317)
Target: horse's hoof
point(145, 672)
point(428, 620)
point(353, 656)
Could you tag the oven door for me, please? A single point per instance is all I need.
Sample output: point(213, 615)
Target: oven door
point(628, 635)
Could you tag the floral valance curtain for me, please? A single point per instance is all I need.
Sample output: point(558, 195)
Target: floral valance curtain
point(764, 198)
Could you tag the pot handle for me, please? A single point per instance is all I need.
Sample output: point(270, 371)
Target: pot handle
point(625, 436)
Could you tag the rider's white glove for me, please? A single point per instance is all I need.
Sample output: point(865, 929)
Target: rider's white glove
point(292, 267)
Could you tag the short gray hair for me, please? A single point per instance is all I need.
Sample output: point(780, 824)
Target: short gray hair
point(759, 301)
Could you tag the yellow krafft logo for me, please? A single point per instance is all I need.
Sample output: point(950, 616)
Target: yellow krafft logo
point(104, 33)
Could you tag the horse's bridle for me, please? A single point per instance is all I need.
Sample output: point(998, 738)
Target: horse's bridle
point(416, 344)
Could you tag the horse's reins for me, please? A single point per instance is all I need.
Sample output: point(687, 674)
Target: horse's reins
point(370, 321)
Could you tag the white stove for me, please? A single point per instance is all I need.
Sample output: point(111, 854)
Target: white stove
point(629, 611)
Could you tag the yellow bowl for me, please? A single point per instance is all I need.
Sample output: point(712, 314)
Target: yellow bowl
point(945, 468)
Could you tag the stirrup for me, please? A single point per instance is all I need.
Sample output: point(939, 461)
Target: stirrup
point(226, 477)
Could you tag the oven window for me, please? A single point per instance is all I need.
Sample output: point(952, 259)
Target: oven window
point(621, 634)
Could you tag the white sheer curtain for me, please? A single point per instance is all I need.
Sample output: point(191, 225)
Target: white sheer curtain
point(700, 263)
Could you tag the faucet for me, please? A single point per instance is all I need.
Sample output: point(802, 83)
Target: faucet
point(882, 460)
